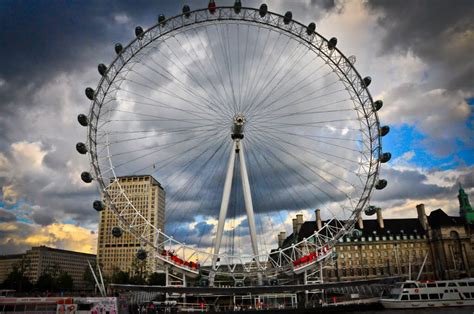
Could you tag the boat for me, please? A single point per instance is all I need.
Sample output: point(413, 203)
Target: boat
point(426, 294)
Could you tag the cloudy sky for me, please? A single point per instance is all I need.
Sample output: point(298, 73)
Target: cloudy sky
point(419, 57)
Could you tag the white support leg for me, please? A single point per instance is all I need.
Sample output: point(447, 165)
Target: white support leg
point(224, 203)
point(248, 199)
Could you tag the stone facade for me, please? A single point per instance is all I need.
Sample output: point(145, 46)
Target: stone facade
point(148, 197)
point(390, 247)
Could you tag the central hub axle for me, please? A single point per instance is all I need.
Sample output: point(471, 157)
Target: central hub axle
point(238, 127)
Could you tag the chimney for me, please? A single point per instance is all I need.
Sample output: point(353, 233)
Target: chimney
point(360, 222)
point(380, 218)
point(295, 226)
point(420, 208)
point(281, 238)
point(319, 223)
point(299, 222)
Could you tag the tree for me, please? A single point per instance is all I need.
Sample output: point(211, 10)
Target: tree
point(45, 282)
point(64, 282)
point(157, 279)
point(120, 277)
point(54, 279)
point(137, 280)
point(17, 279)
point(88, 278)
point(139, 271)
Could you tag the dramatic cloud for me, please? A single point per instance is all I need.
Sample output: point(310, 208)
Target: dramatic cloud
point(439, 32)
point(17, 237)
point(419, 56)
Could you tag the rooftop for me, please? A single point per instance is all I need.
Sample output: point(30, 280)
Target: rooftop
point(47, 248)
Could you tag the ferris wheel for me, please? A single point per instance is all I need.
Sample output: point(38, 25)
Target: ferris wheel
point(245, 117)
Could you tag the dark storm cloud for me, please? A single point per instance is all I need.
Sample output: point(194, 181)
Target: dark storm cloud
point(45, 46)
point(413, 184)
point(324, 4)
point(440, 32)
point(407, 184)
point(40, 39)
point(6, 216)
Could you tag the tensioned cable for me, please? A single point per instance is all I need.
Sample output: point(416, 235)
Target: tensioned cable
point(192, 180)
point(304, 163)
point(289, 73)
point(252, 77)
point(307, 182)
point(200, 65)
point(168, 92)
point(294, 57)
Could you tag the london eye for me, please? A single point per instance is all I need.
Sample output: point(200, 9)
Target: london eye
point(246, 117)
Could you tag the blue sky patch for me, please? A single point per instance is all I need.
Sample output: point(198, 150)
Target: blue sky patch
point(406, 138)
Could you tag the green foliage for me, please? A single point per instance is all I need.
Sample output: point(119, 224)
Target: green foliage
point(120, 277)
point(54, 279)
point(17, 279)
point(88, 278)
point(139, 268)
point(65, 282)
point(137, 280)
point(139, 272)
point(45, 282)
point(156, 279)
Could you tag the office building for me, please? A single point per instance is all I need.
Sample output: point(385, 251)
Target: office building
point(42, 259)
point(148, 197)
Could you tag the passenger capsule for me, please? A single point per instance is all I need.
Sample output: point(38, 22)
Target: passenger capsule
point(186, 10)
point(86, 177)
point(118, 48)
point(141, 254)
point(381, 184)
point(98, 205)
point(371, 210)
point(90, 93)
point(237, 6)
point(161, 19)
point(366, 82)
point(81, 148)
point(117, 232)
point(356, 233)
point(102, 69)
point(287, 18)
point(263, 10)
point(384, 130)
point(211, 6)
point(385, 157)
point(139, 32)
point(311, 28)
point(352, 59)
point(332, 43)
point(378, 104)
point(82, 118)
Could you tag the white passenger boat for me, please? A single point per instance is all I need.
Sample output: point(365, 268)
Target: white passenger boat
point(423, 294)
